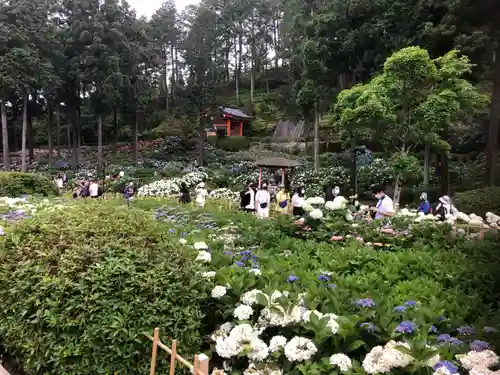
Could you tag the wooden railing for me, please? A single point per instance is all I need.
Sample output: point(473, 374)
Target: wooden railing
point(198, 367)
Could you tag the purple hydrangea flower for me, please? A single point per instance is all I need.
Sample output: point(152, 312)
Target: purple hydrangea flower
point(479, 345)
point(365, 302)
point(323, 278)
point(240, 264)
point(444, 337)
point(490, 330)
point(228, 253)
point(410, 303)
point(184, 234)
point(292, 278)
point(172, 230)
point(367, 326)
point(406, 327)
point(466, 330)
point(447, 365)
point(399, 308)
point(433, 329)
point(331, 285)
point(455, 342)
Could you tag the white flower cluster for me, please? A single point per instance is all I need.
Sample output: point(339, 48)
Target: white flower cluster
point(478, 362)
point(332, 319)
point(243, 312)
point(242, 340)
point(300, 349)
point(342, 361)
point(219, 292)
point(253, 370)
point(171, 186)
point(338, 203)
point(316, 214)
point(224, 194)
point(383, 359)
point(277, 343)
point(250, 298)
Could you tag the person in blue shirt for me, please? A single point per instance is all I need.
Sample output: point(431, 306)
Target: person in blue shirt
point(425, 206)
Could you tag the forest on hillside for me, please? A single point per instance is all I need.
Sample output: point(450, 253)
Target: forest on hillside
point(91, 71)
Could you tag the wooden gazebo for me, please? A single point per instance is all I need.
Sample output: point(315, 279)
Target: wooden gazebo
point(277, 163)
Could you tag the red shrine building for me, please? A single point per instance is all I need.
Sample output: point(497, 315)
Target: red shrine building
point(231, 120)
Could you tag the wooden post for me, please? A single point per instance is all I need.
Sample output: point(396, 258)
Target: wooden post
point(156, 338)
point(195, 365)
point(173, 356)
point(203, 365)
point(241, 128)
point(228, 127)
point(283, 176)
point(260, 176)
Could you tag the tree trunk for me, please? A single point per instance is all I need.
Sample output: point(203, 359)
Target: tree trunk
point(74, 158)
point(397, 193)
point(252, 60)
point(24, 133)
point(172, 81)
point(49, 136)
point(99, 142)
point(316, 137)
point(201, 135)
point(58, 131)
point(237, 75)
point(115, 127)
point(68, 133)
point(5, 137)
point(491, 148)
point(134, 138)
point(427, 153)
point(31, 137)
point(165, 79)
point(78, 134)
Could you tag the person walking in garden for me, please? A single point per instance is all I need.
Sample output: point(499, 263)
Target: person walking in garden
point(425, 206)
point(384, 206)
point(129, 192)
point(283, 200)
point(201, 194)
point(93, 189)
point(298, 201)
point(262, 201)
point(248, 198)
point(185, 197)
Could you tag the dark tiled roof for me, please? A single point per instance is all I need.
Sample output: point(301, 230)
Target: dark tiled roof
point(277, 162)
point(235, 112)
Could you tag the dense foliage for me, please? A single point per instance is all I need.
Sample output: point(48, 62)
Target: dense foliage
point(15, 184)
point(81, 286)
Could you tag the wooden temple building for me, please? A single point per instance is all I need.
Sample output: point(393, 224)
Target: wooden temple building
point(231, 121)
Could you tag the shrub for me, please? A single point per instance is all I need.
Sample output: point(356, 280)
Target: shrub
point(14, 184)
point(479, 201)
point(78, 292)
point(234, 143)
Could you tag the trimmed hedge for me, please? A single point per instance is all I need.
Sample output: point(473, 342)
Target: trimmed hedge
point(479, 201)
point(80, 287)
point(231, 144)
point(15, 184)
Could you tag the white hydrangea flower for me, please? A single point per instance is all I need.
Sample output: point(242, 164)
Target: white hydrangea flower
point(316, 214)
point(242, 339)
point(277, 317)
point(332, 322)
point(315, 200)
point(243, 312)
point(209, 274)
point(482, 371)
point(182, 241)
point(307, 207)
point(486, 358)
point(250, 298)
point(300, 349)
point(443, 371)
point(384, 359)
point(200, 246)
point(226, 327)
point(342, 361)
point(256, 271)
point(216, 371)
point(277, 343)
point(204, 256)
point(259, 350)
point(219, 291)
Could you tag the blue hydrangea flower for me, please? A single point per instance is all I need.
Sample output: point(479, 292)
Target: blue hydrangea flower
point(240, 264)
point(228, 253)
point(479, 345)
point(455, 342)
point(447, 365)
point(172, 230)
point(399, 308)
point(466, 330)
point(406, 327)
point(323, 278)
point(490, 330)
point(368, 327)
point(433, 329)
point(444, 337)
point(365, 302)
point(292, 278)
point(331, 285)
point(410, 303)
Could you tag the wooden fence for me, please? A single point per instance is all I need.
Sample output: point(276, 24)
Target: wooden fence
point(198, 367)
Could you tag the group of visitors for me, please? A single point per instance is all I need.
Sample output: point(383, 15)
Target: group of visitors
point(87, 188)
point(61, 180)
point(256, 200)
point(444, 208)
point(200, 191)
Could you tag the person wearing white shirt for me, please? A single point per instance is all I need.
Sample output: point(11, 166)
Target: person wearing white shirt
point(249, 199)
point(94, 189)
point(298, 202)
point(201, 194)
point(385, 206)
point(262, 202)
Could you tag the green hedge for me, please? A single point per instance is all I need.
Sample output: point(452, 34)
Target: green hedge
point(232, 144)
point(80, 287)
point(15, 184)
point(479, 201)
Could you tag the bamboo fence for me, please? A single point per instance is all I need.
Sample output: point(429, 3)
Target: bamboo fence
point(198, 367)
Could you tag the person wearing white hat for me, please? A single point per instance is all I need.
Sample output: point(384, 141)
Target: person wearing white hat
point(262, 201)
point(445, 208)
point(201, 194)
